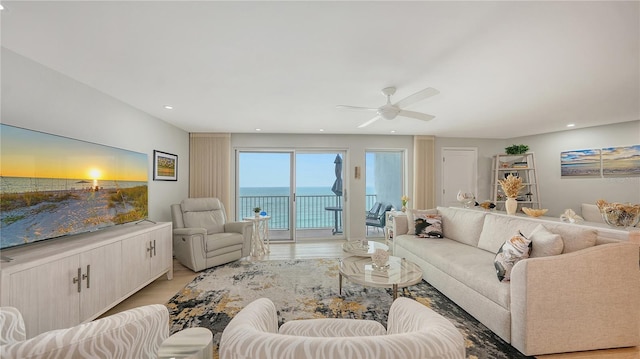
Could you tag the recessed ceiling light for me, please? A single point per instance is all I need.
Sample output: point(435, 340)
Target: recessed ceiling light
point(1, 7)
point(571, 125)
point(393, 131)
point(258, 129)
point(322, 130)
point(168, 107)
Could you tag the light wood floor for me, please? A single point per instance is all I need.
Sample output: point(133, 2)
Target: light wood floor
point(161, 290)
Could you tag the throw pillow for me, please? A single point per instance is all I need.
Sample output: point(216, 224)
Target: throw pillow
point(514, 249)
point(429, 226)
point(412, 214)
point(545, 243)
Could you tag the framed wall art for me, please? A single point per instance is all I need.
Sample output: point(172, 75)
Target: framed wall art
point(580, 163)
point(165, 166)
point(623, 161)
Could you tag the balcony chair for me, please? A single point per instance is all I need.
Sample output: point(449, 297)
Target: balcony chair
point(202, 237)
point(375, 217)
point(413, 331)
point(141, 332)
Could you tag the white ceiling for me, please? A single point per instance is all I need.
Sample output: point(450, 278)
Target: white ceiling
point(504, 69)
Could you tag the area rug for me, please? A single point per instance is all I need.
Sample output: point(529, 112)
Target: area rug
point(308, 288)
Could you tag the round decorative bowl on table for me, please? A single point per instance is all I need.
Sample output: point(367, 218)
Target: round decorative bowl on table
point(533, 212)
point(619, 214)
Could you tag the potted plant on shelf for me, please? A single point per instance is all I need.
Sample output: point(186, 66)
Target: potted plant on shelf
point(516, 149)
point(256, 211)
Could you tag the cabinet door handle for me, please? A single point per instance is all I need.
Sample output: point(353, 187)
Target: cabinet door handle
point(77, 280)
point(154, 247)
point(149, 249)
point(88, 275)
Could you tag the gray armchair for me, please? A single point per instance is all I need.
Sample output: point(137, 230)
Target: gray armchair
point(202, 237)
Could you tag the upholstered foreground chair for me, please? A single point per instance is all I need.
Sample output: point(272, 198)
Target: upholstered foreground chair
point(413, 331)
point(135, 333)
point(202, 236)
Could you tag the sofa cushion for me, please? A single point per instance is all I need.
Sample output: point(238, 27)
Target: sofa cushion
point(465, 264)
point(413, 214)
point(574, 238)
point(516, 248)
point(429, 225)
point(462, 225)
point(497, 228)
point(545, 243)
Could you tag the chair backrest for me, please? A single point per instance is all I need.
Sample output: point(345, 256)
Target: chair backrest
point(373, 213)
point(207, 213)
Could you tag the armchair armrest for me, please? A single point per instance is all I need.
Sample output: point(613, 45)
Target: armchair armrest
point(12, 328)
point(588, 299)
point(238, 227)
point(189, 231)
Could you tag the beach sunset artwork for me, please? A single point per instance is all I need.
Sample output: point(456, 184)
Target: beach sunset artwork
point(580, 163)
point(53, 186)
point(621, 161)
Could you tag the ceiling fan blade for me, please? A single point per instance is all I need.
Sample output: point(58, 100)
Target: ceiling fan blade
point(418, 96)
point(346, 107)
point(369, 122)
point(416, 115)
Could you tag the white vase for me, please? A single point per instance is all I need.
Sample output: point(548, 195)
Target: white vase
point(511, 205)
point(257, 214)
point(380, 258)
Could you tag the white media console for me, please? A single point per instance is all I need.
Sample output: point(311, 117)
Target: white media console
point(68, 281)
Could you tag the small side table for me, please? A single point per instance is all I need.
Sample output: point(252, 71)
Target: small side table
point(191, 343)
point(260, 237)
point(389, 226)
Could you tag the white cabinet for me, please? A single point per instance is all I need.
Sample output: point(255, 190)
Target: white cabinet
point(64, 282)
point(150, 253)
point(523, 166)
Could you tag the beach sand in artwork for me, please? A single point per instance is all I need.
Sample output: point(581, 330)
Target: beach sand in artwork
point(30, 217)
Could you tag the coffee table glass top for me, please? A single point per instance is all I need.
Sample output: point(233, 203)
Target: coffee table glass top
point(356, 248)
point(400, 272)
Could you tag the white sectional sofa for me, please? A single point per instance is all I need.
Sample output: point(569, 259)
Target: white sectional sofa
point(585, 297)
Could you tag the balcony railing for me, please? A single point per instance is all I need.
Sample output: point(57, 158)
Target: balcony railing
point(311, 210)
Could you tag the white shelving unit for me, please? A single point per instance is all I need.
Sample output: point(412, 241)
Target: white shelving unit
point(523, 165)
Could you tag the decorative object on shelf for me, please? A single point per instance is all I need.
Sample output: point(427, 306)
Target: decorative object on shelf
point(487, 205)
point(511, 205)
point(533, 212)
point(619, 214)
point(256, 211)
point(570, 216)
point(380, 259)
point(516, 149)
point(465, 198)
point(404, 200)
point(263, 213)
point(511, 186)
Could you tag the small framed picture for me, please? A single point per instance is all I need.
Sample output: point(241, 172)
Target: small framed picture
point(165, 166)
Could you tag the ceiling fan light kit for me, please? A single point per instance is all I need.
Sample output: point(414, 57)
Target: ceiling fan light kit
point(390, 111)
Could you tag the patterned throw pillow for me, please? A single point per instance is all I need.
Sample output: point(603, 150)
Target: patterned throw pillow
point(514, 249)
point(429, 226)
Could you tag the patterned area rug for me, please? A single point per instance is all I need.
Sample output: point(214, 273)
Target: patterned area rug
point(304, 289)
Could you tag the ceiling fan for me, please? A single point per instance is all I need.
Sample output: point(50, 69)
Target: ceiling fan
point(390, 111)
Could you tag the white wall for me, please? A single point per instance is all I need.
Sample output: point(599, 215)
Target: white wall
point(38, 98)
point(355, 147)
point(557, 193)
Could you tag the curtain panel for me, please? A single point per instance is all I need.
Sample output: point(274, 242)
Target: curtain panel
point(424, 184)
point(209, 166)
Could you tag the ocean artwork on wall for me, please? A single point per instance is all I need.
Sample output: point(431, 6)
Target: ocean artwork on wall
point(54, 186)
point(621, 161)
point(580, 163)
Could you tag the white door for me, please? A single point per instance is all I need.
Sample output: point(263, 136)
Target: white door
point(459, 173)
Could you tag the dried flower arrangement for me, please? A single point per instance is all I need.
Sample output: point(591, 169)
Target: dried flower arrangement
point(511, 186)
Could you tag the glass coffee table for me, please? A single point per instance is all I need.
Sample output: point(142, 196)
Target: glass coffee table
point(399, 273)
point(357, 248)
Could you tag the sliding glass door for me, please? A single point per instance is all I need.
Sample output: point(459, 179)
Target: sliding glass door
point(384, 184)
point(302, 191)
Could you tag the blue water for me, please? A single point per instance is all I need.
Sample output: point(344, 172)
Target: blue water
point(31, 184)
point(311, 203)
